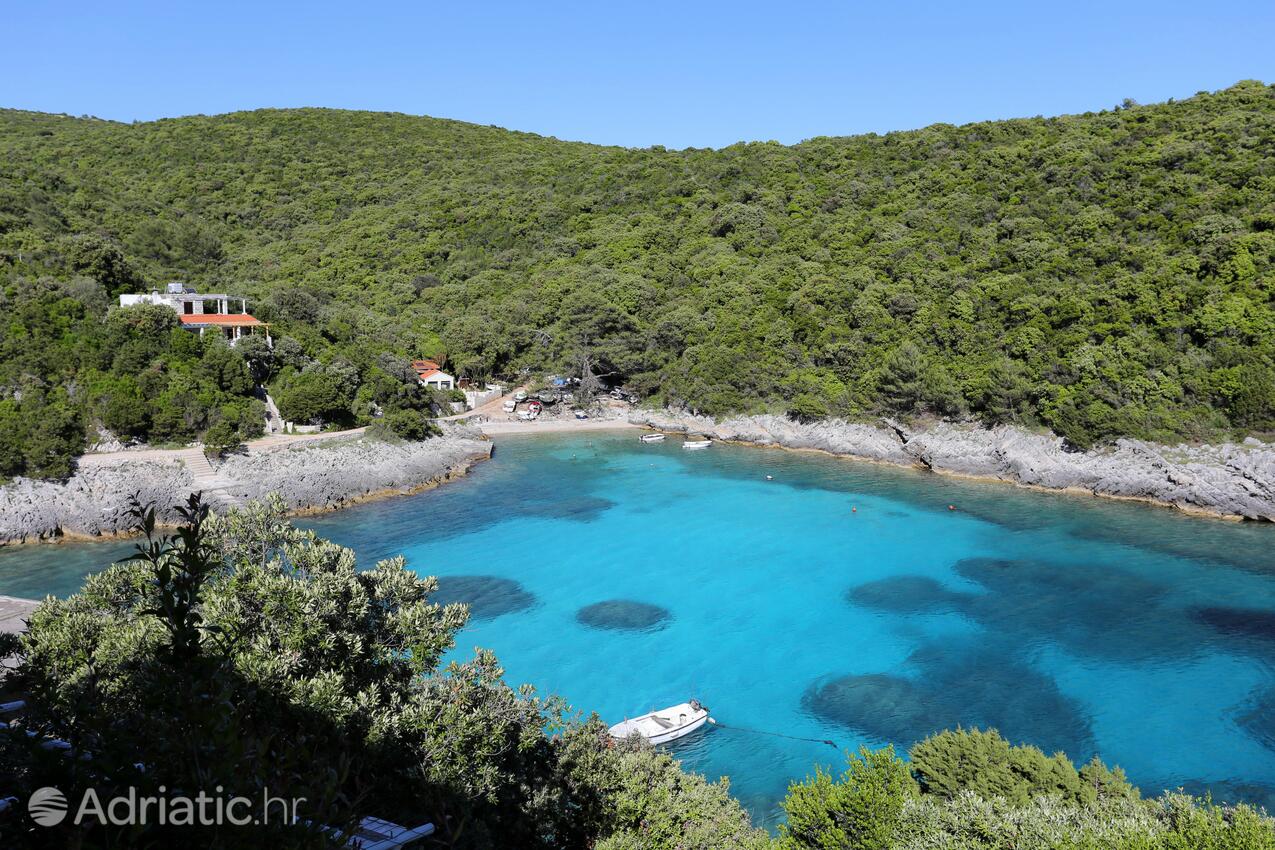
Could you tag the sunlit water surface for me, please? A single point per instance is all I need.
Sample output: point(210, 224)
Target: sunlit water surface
point(840, 601)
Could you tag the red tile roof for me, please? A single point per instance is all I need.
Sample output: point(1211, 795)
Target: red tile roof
point(231, 320)
point(430, 373)
point(425, 365)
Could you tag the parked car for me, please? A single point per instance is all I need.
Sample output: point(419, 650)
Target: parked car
point(580, 414)
point(509, 406)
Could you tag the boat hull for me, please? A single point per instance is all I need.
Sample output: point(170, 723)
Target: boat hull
point(664, 726)
point(680, 732)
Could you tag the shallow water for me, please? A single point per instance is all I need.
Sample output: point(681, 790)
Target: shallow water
point(840, 600)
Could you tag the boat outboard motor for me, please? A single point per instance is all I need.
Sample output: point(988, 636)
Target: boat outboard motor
point(696, 705)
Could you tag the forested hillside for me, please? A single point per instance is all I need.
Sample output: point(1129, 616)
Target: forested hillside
point(1102, 274)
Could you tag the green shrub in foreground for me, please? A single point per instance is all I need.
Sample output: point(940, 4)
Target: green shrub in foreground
point(241, 652)
point(977, 792)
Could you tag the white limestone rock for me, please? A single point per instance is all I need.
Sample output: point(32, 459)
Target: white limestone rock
point(1228, 480)
point(318, 476)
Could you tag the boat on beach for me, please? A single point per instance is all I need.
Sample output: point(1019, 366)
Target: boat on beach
point(697, 443)
point(665, 725)
point(652, 438)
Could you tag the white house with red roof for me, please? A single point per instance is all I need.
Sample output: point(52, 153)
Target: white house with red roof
point(432, 375)
point(202, 312)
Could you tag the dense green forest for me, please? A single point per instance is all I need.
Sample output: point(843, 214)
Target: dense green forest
point(1101, 275)
point(240, 656)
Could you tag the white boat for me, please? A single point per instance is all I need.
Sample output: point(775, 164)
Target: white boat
point(652, 438)
point(665, 725)
point(701, 443)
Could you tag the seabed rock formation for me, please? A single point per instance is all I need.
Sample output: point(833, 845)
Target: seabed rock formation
point(624, 614)
point(952, 684)
point(315, 477)
point(1227, 480)
point(486, 596)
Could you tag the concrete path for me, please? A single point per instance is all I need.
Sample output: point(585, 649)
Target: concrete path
point(14, 613)
point(496, 421)
point(212, 485)
point(205, 475)
point(554, 425)
point(487, 408)
point(13, 620)
point(187, 455)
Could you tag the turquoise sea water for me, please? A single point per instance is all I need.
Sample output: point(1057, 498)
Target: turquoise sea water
point(840, 600)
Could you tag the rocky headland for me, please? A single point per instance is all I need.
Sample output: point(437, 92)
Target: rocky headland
point(1227, 480)
point(310, 477)
point(326, 477)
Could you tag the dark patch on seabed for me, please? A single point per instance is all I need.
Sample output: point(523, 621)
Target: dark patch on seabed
point(930, 492)
point(1008, 513)
point(624, 614)
point(580, 508)
point(487, 596)
point(969, 685)
point(1092, 610)
point(909, 595)
point(1095, 610)
point(1244, 623)
point(374, 529)
point(1245, 546)
point(1259, 719)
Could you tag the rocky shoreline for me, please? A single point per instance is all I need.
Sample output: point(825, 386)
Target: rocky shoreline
point(1234, 481)
point(314, 477)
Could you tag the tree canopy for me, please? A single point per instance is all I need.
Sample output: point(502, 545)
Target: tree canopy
point(1102, 274)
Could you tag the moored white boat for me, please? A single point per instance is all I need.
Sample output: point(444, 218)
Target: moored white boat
point(665, 725)
point(701, 443)
point(652, 438)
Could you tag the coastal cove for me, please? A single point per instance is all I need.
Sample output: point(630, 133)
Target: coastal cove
point(837, 600)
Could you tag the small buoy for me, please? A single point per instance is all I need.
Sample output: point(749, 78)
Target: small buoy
point(951, 507)
point(770, 478)
point(853, 509)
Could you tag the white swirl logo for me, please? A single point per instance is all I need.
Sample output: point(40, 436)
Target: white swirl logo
point(47, 806)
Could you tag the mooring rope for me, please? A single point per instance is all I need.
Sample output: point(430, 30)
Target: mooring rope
point(832, 744)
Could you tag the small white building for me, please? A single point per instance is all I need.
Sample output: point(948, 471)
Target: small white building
point(431, 375)
point(201, 312)
point(438, 380)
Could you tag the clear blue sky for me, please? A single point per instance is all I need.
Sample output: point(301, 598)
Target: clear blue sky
point(640, 73)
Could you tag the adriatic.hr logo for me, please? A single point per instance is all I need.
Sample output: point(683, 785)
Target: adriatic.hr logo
point(47, 807)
